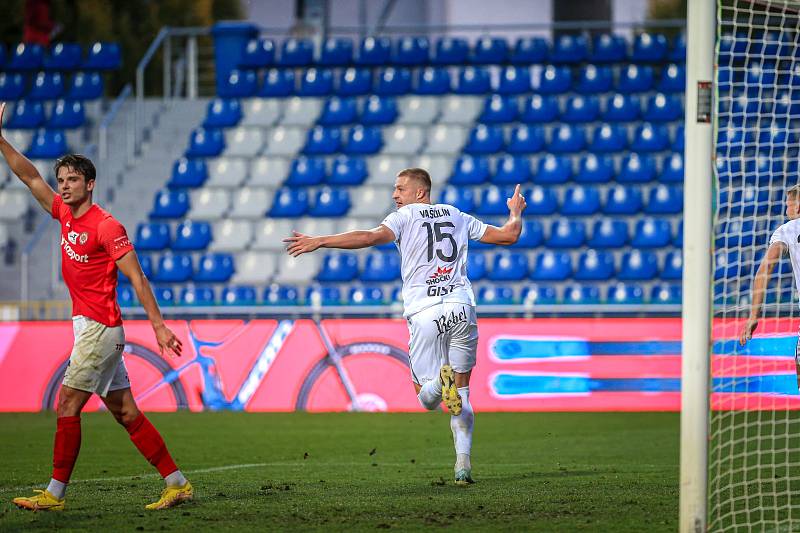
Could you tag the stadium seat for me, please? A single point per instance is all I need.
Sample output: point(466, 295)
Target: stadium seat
point(370, 202)
point(678, 51)
point(554, 80)
point(336, 52)
point(432, 81)
point(363, 141)
point(493, 200)
point(338, 111)
point(296, 53)
point(165, 296)
point(622, 108)
point(594, 80)
point(476, 266)
point(323, 141)
point(485, 139)
point(268, 171)
point(635, 79)
point(495, 295)
point(281, 295)
point(499, 109)
point(238, 295)
point(251, 202)
point(665, 293)
point(299, 111)
point(402, 140)
point(673, 266)
point(525, 139)
point(243, 141)
point(541, 201)
point(381, 267)
point(460, 109)
point(152, 236)
point(728, 265)
point(366, 295)
point(46, 86)
point(285, 141)
point(581, 109)
point(470, 170)
point(126, 296)
point(608, 138)
point(239, 84)
point(489, 51)
point(566, 233)
point(191, 235)
point(551, 266)
point(354, 82)
point(338, 267)
point(264, 112)
point(672, 80)
point(511, 170)
point(323, 295)
point(651, 233)
point(578, 294)
point(232, 235)
point(47, 144)
point(608, 48)
point(277, 83)
point(638, 265)
point(664, 200)
point(445, 139)
point(214, 268)
point(625, 293)
point(374, 51)
point(330, 202)
point(316, 82)
point(473, 80)
point(170, 204)
point(567, 139)
point(509, 266)
point(649, 48)
point(411, 51)
point(529, 50)
point(258, 53)
point(393, 81)
point(622, 200)
point(103, 56)
point(268, 234)
point(66, 115)
point(306, 171)
point(581, 201)
point(636, 169)
point(382, 169)
point(85, 86)
point(379, 110)
point(227, 172)
point(594, 169)
point(173, 268)
point(677, 240)
point(649, 138)
point(12, 86)
point(553, 169)
point(418, 109)
point(289, 203)
point(672, 169)
point(662, 108)
point(205, 143)
point(256, 267)
point(678, 139)
point(569, 49)
point(347, 171)
point(222, 113)
point(26, 115)
point(514, 80)
point(26, 56)
point(63, 57)
point(532, 295)
point(608, 233)
point(460, 197)
point(451, 51)
point(532, 235)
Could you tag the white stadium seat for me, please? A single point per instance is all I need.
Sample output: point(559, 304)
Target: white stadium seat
point(231, 235)
point(438, 166)
point(261, 111)
point(402, 140)
point(417, 109)
point(245, 142)
point(227, 172)
point(285, 141)
point(269, 171)
point(251, 202)
point(270, 232)
point(382, 169)
point(301, 111)
point(460, 109)
point(209, 204)
point(13, 204)
point(4, 234)
point(446, 139)
point(316, 226)
point(370, 202)
point(293, 270)
point(353, 224)
point(255, 268)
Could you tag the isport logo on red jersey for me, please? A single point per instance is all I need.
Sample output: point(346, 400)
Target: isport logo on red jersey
point(72, 254)
point(441, 274)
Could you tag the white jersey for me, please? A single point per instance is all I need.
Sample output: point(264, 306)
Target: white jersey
point(433, 241)
point(789, 234)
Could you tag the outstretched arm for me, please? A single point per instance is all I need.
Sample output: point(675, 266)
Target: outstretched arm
point(25, 171)
point(774, 253)
point(167, 341)
point(509, 232)
point(300, 244)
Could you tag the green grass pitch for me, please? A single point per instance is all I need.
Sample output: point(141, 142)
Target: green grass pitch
point(324, 472)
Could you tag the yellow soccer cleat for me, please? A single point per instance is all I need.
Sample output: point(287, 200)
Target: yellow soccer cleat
point(43, 501)
point(450, 395)
point(172, 496)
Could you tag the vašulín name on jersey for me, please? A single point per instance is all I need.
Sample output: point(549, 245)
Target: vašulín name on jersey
point(446, 322)
point(434, 213)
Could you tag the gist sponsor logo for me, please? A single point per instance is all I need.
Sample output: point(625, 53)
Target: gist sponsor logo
point(72, 254)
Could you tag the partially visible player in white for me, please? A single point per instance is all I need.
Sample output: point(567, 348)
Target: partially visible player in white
point(785, 239)
point(438, 301)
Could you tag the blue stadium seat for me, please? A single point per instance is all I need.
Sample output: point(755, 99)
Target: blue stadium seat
point(595, 169)
point(538, 109)
point(732, 141)
point(366, 295)
point(192, 235)
point(651, 233)
point(363, 140)
point(532, 235)
point(374, 51)
point(499, 109)
point(338, 267)
point(296, 53)
point(25, 57)
point(476, 266)
point(664, 200)
point(529, 50)
point(580, 201)
point(594, 80)
point(485, 139)
point(567, 139)
point(146, 262)
point(381, 267)
point(566, 233)
point(673, 79)
point(165, 296)
point(214, 268)
point(650, 138)
point(354, 82)
point(678, 51)
point(469, 170)
point(432, 80)
point(569, 49)
point(509, 266)
point(638, 265)
point(188, 173)
point(47, 144)
point(663, 108)
point(323, 295)
point(473, 80)
point(306, 171)
point(608, 48)
point(635, 79)
point(46, 86)
point(608, 138)
point(379, 110)
point(289, 203)
point(170, 204)
point(672, 169)
point(258, 53)
point(540, 200)
point(347, 171)
point(622, 200)
point(678, 139)
point(393, 81)
point(649, 48)
point(727, 265)
point(514, 80)
point(511, 170)
point(625, 293)
point(173, 268)
point(538, 295)
point(773, 138)
point(462, 198)
point(238, 295)
point(152, 236)
point(495, 295)
point(622, 108)
point(581, 109)
point(323, 141)
point(553, 169)
point(330, 202)
point(451, 51)
point(673, 266)
point(85, 86)
point(63, 56)
point(316, 82)
point(489, 51)
point(411, 51)
point(126, 296)
point(493, 200)
point(608, 233)
point(26, 115)
point(554, 80)
point(338, 111)
point(205, 143)
point(551, 266)
point(666, 293)
point(103, 56)
point(636, 169)
point(222, 113)
point(277, 83)
point(336, 52)
point(525, 139)
point(737, 233)
point(12, 86)
point(578, 294)
point(281, 295)
point(67, 115)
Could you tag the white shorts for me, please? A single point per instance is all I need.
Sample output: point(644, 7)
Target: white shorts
point(441, 334)
point(96, 364)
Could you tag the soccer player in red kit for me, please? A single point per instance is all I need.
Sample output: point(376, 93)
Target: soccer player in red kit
point(94, 245)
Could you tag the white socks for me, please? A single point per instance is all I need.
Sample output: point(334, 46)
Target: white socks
point(461, 426)
point(430, 395)
point(57, 488)
point(175, 479)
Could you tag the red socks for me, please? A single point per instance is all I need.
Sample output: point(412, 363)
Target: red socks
point(149, 442)
point(66, 447)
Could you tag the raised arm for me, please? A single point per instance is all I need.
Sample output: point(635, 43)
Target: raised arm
point(300, 244)
point(509, 232)
point(774, 253)
point(25, 171)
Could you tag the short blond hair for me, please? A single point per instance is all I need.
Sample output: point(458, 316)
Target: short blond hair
point(419, 174)
point(793, 191)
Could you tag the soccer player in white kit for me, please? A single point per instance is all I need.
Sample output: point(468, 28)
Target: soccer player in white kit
point(438, 301)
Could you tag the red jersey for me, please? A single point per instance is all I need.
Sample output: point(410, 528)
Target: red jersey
point(90, 247)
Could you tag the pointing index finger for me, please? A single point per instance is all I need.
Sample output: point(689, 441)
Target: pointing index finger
point(516, 190)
